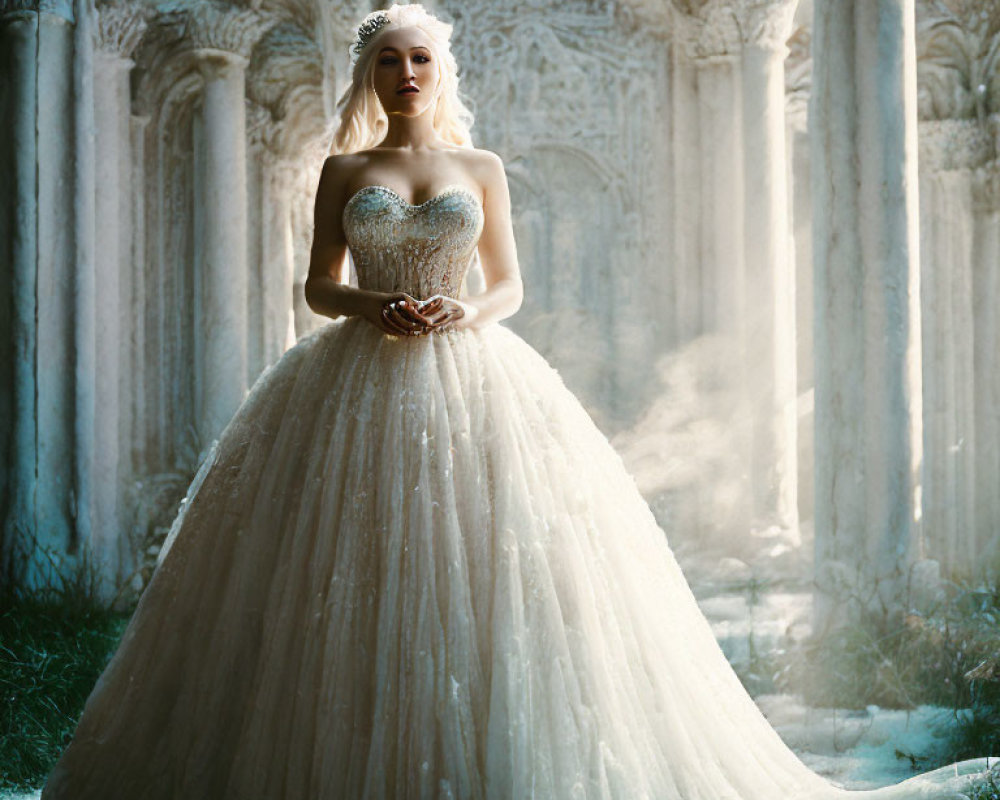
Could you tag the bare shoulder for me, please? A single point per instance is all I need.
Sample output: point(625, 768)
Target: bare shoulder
point(483, 162)
point(339, 167)
point(487, 169)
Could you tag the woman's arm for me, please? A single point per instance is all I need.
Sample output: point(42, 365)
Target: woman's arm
point(497, 252)
point(327, 290)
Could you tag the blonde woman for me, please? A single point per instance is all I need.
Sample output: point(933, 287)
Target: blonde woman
point(414, 568)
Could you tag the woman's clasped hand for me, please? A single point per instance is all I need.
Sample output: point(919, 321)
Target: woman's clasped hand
point(400, 314)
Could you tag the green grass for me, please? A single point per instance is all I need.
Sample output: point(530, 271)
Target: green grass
point(948, 657)
point(51, 654)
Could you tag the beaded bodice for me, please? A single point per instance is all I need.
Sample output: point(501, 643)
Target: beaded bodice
point(421, 249)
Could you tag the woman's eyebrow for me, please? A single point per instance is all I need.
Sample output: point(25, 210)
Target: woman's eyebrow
point(394, 50)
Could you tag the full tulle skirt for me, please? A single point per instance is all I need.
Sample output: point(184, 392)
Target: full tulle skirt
point(414, 568)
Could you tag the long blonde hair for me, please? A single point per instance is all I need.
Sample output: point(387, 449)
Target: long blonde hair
point(363, 123)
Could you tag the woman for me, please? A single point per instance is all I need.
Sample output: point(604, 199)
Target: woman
point(413, 567)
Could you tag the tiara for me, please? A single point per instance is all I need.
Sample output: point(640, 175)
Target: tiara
point(368, 29)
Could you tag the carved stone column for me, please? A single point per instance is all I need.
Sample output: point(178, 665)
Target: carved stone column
point(986, 362)
point(712, 42)
point(863, 130)
point(769, 283)
point(119, 28)
point(223, 40)
point(958, 104)
point(37, 246)
point(747, 279)
point(134, 423)
point(272, 247)
point(686, 171)
point(711, 286)
point(950, 150)
point(18, 250)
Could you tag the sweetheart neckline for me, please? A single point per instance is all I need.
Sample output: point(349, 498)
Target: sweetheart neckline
point(444, 191)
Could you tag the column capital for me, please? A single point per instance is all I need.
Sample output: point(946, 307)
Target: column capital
point(767, 24)
point(119, 28)
point(954, 144)
point(956, 59)
point(719, 28)
point(706, 31)
point(231, 32)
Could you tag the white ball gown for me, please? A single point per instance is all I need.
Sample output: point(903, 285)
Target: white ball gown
point(414, 568)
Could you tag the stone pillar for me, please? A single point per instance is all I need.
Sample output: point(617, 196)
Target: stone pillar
point(711, 204)
point(133, 424)
point(223, 40)
point(18, 266)
point(40, 541)
point(279, 255)
point(746, 265)
point(301, 199)
point(85, 313)
point(273, 260)
point(721, 171)
point(56, 491)
point(119, 29)
point(986, 364)
point(863, 131)
point(797, 68)
point(224, 247)
point(711, 127)
point(950, 150)
point(768, 290)
point(687, 198)
point(260, 127)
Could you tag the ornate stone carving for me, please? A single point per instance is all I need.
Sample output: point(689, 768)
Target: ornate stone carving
point(576, 102)
point(798, 77)
point(263, 128)
point(305, 13)
point(59, 8)
point(120, 27)
point(766, 23)
point(344, 18)
point(17, 6)
point(283, 60)
point(723, 27)
point(651, 15)
point(708, 30)
point(226, 29)
point(986, 187)
point(952, 144)
point(551, 56)
point(958, 49)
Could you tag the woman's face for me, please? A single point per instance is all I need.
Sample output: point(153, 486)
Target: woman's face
point(405, 72)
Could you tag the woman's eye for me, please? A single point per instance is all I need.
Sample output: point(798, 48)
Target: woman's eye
point(421, 59)
point(388, 60)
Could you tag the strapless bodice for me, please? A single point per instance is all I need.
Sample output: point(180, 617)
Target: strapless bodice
point(422, 249)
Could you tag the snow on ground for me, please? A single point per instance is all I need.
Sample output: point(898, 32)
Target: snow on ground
point(858, 749)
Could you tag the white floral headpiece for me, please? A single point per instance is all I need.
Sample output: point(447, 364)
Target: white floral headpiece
point(368, 30)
